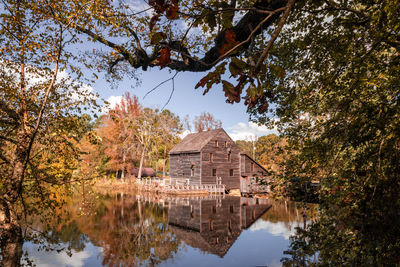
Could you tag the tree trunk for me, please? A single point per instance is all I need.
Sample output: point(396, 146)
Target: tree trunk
point(164, 161)
point(141, 163)
point(164, 167)
point(11, 239)
point(123, 166)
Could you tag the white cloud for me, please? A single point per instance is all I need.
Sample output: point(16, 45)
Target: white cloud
point(276, 229)
point(34, 77)
point(184, 133)
point(45, 258)
point(112, 102)
point(248, 131)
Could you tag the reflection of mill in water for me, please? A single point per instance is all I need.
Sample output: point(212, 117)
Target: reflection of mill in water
point(213, 224)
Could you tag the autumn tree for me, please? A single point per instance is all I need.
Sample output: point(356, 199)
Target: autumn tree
point(118, 133)
point(37, 103)
point(129, 136)
point(248, 146)
point(271, 152)
point(206, 122)
point(167, 129)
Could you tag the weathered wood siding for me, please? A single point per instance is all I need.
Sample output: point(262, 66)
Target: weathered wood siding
point(213, 225)
point(220, 223)
point(187, 217)
point(180, 166)
point(220, 162)
point(246, 169)
point(252, 209)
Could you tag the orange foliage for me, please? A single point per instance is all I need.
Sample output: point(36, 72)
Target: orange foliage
point(117, 134)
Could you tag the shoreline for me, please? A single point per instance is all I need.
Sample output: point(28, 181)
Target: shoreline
point(110, 186)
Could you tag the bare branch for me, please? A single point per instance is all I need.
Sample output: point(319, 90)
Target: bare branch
point(172, 91)
point(161, 83)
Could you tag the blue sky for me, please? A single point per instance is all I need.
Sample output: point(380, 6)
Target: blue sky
point(185, 100)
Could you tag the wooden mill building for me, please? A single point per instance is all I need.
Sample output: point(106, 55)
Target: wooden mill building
point(211, 157)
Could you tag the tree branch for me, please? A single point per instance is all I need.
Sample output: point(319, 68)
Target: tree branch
point(259, 13)
point(172, 91)
point(275, 34)
point(8, 139)
point(161, 83)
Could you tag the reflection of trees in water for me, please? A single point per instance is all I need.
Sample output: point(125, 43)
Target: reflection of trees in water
point(38, 214)
point(129, 231)
point(289, 212)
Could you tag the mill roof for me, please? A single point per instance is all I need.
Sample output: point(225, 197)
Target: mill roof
point(251, 159)
point(195, 142)
point(204, 241)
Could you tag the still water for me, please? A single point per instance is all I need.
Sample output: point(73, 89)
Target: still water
point(151, 230)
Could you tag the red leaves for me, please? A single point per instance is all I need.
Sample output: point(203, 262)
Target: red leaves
point(202, 82)
point(212, 78)
point(172, 10)
point(230, 36)
point(153, 21)
point(230, 42)
point(159, 5)
point(263, 107)
point(233, 92)
point(169, 7)
point(165, 57)
point(257, 97)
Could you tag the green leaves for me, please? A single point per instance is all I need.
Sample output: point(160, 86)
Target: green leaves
point(237, 66)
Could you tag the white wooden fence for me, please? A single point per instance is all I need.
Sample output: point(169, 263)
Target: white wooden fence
point(164, 185)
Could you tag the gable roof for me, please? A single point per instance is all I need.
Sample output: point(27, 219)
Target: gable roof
point(195, 142)
point(252, 160)
point(204, 241)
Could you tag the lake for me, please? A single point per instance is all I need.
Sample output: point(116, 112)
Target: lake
point(121, 229)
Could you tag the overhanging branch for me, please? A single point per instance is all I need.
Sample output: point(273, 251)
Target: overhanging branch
point(253, 19)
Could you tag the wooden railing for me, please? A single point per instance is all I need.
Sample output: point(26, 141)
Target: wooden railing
point(211, 188)
point(164, 185)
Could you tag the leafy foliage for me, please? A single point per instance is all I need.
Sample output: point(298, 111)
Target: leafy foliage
point(129, 136)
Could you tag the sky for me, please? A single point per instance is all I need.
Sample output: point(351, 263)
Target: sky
point(185, 100)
